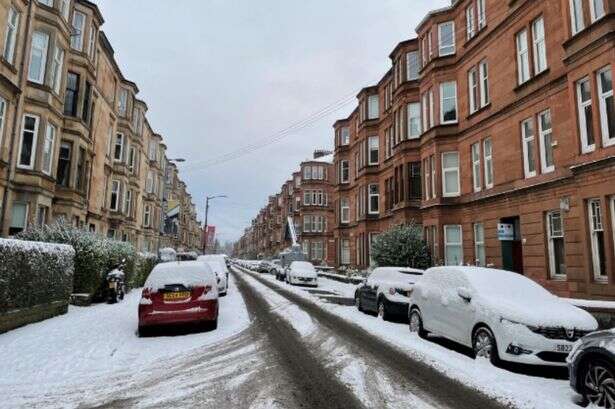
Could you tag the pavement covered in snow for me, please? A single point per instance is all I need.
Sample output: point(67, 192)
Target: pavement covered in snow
point(524, 388)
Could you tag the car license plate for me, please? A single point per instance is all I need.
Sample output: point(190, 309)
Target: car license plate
point(176, 295)
point(567, 348)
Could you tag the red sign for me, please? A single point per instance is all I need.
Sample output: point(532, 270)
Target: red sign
point(210, 236)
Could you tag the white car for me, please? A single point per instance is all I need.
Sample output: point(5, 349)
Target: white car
point(386, 291)
point(501, 315)
point(302, 272)
point(219, 267)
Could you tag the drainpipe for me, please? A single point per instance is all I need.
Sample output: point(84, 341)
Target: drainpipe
point(11, 170)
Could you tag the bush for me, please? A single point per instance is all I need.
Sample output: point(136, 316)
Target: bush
point(34, 273)
point(95, 255)
point(145, 263)
point(402, 246)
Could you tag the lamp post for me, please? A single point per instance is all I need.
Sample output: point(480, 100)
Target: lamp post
point(207, 199)
point(165, 201)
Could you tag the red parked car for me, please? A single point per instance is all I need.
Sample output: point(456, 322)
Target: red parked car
point(179, 293)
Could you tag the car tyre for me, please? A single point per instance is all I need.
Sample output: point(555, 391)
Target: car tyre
point(416, 323)
point(143, 332)
point(382, 310)
point(357, 302)
point(597, 378)
point(484, 345)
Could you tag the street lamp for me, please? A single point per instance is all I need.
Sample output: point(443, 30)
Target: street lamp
point(207, 199)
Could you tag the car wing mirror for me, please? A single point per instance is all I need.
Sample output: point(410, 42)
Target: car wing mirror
point(464, 293)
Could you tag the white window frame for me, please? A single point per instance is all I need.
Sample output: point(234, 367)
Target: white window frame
point(551, 236)
point(473, 89)
point(122, 147)
point(432, 162)
point(38, 77)
point(123, 102)
point(30, 165)
point(65, 8)
point(371, 195)
point(442, 99)
point(479, 243)
point(116, 191)
point(523, 57)
point(477, 182)
point(414, 120)
point(413, 68)
point(540, 47)
point(373, 145)
point(345, 136)
point(543, 133)
point(448, 244)
point(596, 13)
point(483, 78)
point(442, 48)
point(343, 179)
point(586, 147)
point(76, 40)
point(48, 145)
point(482, 14)
point(596, 224)
point(127, 202)
point(10, 35)
point(445, 171)
point(344, 210)
point(470, 26)
point(577, 23)
point(525, 140)
point(3, 106)
point(373, 106)
point(57, 64)
point(92, 42)
point(147, 215)
point(602, 96)
point(488, 160)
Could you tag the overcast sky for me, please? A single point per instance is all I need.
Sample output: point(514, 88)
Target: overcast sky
point(220, 75)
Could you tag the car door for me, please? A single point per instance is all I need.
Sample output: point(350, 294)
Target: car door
point(433, 309)
point(370, 291)
point(458, 313)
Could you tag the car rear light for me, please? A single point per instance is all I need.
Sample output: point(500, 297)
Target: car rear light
point(146, 293)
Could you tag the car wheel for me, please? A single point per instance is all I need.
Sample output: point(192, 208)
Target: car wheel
point(357, 302)
point(382, 310)
point(484, 345)
point(598, 379)
point(143, 332)
point(416, 323)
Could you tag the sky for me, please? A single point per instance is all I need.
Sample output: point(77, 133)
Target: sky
point(222, 77)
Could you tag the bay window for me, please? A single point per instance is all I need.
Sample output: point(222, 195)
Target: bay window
point(412, 66)
point(38, 57)
point(450, 174)
point(546, 142)
point(64, 164)
point(344, 171)
point(344, 210)
point(118, 151)
point(453, 249)
point(56, 69)
point(446, 38)
point(345, 136)
point(147, 213)
point(584, 103)
point(607, 106)
point(115, 195)
point(10, 35)
point(50, 134)
point(556, 245)
point(19, 218)
point(528, 144)
point(448, 102)
point(414, 120)
point(76, 39)
point(374, 150)
point(27, 145)
point(71, 96)
point(373, 199)
point(373, 107)
point(523, 57)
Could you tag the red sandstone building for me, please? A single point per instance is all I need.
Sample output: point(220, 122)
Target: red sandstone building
point(495, 130)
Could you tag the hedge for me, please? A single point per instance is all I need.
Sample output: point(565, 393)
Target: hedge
point(144, 265)
point(34, 273)
point(95, 255)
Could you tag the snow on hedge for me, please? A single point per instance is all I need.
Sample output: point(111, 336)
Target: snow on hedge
point(33, 273)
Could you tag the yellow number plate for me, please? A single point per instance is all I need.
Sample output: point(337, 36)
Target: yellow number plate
point(177, 295)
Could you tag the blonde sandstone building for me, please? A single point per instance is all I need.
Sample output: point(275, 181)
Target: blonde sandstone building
point(75, 141)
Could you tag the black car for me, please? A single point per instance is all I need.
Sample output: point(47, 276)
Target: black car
point(592, 368)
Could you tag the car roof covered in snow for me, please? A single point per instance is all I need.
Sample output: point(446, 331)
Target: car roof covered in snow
point(403, 270)
point(187, 273)
point(303, 265)
point(214, 259)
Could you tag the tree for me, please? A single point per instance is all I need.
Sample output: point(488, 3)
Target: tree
point(401, 246)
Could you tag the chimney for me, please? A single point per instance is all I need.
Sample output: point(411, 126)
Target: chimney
point(319, 153)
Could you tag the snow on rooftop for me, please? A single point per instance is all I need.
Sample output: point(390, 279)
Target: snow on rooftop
point(323, 159)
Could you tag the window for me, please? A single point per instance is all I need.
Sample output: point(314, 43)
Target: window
point(556, 247)
point(317, 250)
point(147, 212)
point(448, 102)
point(27, 147)
point(576, 16)
point(85, 113)
point(149, 182)
point(446, 38)
point(72, 94)
point(374, 199)
point(115, 195)
point(540, 47)
point(41, 216)
point(132, 156)
point(425, 118)
point(80, 183)
point(473, 90)
point(488, 157)
point(344, 251)
point(523, 57)
point(412, 66)
point(584, 101)
point(38, 57)
point(48, 148)
point(19, 218)
point(470, 28)
point(433, 175)
point(48, 3)
point(10, 35)
point(596, 231)
point(414, 179)
point(118, 151)
point(453, 251)
point(482, 14)
point(527, 138)
point(607, 106)
point(122, 102)
point(307, 172)
point(414, 120)
point(479, 245)
point(345, 136)
point(476, 171)
point(65, 8)
point(546, 142)
point(373, 146)
point(596, 8)
point(76, 40)
point(56, 69)
point(344, 172)
point(483, 72)
point(344, 210)
point(128, 202)
point(92, 43)
point(2, 117)
point(373, 107)
point(64, 164)
point(450, 174)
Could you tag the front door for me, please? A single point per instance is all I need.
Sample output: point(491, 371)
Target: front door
point(512, 248)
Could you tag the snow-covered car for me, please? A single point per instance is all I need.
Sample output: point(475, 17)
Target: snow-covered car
point(219, 268)
point(264, 267)
point(276, 265)
point(591, 365)
point(302, 272)
point(499, 314)
point(386, 291)
point(179, 293)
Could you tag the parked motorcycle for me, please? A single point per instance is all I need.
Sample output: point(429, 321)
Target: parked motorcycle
point(115, 285)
